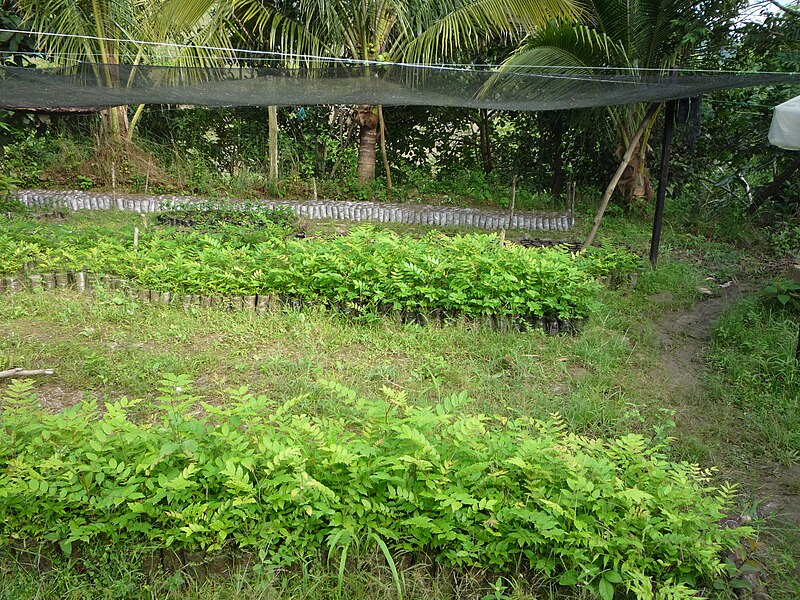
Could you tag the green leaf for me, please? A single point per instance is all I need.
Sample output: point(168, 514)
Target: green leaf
point(392, 566)
point(568, 578)
point(612, 576)
point(606, 589)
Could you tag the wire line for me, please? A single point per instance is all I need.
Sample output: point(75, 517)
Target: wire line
point(462, 67)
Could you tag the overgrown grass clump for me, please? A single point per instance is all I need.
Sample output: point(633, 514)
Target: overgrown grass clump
point(753, 355)
point(465, 489)
point(369, 270)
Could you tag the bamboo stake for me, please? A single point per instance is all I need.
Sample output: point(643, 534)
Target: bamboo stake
point(511, 206)
point(618, 175)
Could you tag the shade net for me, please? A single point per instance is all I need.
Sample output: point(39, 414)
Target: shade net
point(89, 85)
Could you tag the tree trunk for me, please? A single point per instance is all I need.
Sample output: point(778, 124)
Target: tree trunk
point(114, 124)
point(775, 186)
point(635, 181)
point(368, 138)
point(272, 112)
point(484, 130)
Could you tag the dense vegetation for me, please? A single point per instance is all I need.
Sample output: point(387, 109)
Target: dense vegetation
point(367, 271)
point(95, 343)
point(467, 489)
point(446, 461)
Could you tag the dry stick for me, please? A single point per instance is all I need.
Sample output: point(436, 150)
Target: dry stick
point(618, 175)
point(571, 202)
point(113, 182)
point(383, 148)
point(147, 177)
point(511, 206)
point(24, 373)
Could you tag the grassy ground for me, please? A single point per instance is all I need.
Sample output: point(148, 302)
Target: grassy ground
point(609, 380)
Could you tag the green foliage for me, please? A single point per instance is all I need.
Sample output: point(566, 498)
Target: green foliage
point(753, 355)
point(31, 158)
point(9, 204)
point(209, 215)
point(366, 271)
point(612, 261)
point(468, 489)
point(85, 183)
point(784, 293)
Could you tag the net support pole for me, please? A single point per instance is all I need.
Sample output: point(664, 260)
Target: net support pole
point(666, 148)
point(797, 350)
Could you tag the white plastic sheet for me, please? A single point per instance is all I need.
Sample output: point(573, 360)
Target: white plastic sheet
point(784, 131)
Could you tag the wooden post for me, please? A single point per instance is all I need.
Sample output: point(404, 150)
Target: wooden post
point(666, 148)
point(272, 112)
point(618, 175)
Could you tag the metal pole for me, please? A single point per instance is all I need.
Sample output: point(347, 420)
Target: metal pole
point(797, 352)
point(666, 147)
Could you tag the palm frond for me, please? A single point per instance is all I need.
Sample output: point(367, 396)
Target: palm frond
point(455, 25)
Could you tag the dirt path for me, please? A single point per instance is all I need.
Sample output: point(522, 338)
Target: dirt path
point(685, 337)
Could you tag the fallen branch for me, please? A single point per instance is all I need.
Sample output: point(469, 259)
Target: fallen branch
point(24, 372)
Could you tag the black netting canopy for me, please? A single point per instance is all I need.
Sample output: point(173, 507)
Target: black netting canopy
point(92, 85)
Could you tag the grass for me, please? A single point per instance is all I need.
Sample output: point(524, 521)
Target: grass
point(755, 370)
point(115, 576)
point(603, 382)
point(113, 345)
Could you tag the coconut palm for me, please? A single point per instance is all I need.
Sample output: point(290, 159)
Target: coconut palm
point(106, 33)
point(381, 30)
point(643, 37)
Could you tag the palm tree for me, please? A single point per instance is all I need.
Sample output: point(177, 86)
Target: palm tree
point(644, 37)
point(381, 30)
point(106, 33)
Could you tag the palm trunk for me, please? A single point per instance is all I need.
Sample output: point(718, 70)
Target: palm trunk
point(635, 181)
point(114, 124)
point(368, 138)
